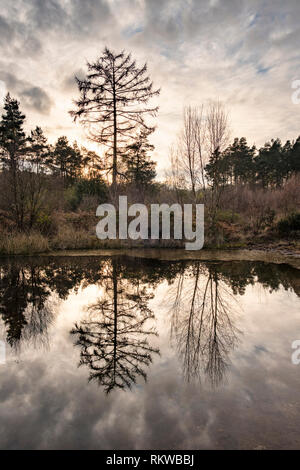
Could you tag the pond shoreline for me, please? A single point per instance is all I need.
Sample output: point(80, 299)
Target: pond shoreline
point(279, 255)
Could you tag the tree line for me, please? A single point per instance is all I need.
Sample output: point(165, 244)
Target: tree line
point(34, 153)
point(28, 161)
point(113, 106)
point(269, 166)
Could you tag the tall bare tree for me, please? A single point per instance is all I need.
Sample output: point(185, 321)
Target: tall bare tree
point(188, 158)
point(217, 127)
point(113, 102)
point(187, 146)
point(200, 136)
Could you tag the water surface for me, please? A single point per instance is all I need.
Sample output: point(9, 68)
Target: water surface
point(130, 353)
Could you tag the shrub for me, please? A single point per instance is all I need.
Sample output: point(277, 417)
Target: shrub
point(228, 216)
point(290, 224)
point(95, 188)
point(71, 198)
point(45, 224)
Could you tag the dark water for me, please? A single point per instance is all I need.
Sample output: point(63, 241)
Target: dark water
point(172, 355)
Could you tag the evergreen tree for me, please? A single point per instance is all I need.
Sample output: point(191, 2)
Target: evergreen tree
point(294, 157)
point(270, 164)
point(140, 170)
point(75, 162)
point(242, 161)
point(12, 136)
point(92, 164)
point(39, 150)
point(13, 148)
point(216, 169)
point(67, 160)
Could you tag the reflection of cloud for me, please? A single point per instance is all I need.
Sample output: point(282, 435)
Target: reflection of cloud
point(259, 405)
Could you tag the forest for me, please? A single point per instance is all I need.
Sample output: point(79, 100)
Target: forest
point(50, 192)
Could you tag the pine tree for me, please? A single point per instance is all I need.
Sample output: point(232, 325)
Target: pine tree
point(67, 160)
point(112, 103)
point(13, 148)
point(270, 166)
point(294, 159)
point(12, 136)
point(92, 164)
point(242, 160)
point(39, 150)
point(140, 170)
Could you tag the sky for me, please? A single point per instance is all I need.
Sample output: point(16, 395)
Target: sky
point(244, 53)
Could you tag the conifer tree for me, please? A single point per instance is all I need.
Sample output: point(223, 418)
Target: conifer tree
point(12, 136)
point(140, 170)
point(112, 103)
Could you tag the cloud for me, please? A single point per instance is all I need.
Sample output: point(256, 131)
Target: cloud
point(240, 51)
point(69, 82)
point(6, 31)
point(35, 97)
point(32, 97)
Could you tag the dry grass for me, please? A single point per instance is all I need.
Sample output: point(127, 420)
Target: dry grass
point(69, 238)
point(23, 244)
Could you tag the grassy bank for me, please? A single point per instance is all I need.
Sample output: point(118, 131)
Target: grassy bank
point(71, 234)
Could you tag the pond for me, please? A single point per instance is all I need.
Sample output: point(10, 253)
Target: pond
point(120, 352)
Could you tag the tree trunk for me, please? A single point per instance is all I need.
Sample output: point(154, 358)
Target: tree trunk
point(114, 181)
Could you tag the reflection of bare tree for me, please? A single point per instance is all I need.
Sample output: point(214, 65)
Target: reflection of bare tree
point(202, 323)
point(114, 337)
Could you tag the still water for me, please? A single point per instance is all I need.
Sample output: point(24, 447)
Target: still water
point(129, 353)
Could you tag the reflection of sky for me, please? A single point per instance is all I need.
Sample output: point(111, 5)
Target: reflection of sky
point(46, 401)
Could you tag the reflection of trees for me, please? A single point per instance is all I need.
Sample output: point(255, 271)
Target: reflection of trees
point(202, 323)
point(28, 285)
point(202, 320)
point(114, 339)
point(203, 310)
point(25, 290)
point(23, 304)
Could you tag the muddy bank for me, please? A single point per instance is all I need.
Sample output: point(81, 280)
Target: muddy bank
point(267, 255)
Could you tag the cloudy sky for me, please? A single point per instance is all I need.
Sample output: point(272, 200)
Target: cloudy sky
point(242, 52)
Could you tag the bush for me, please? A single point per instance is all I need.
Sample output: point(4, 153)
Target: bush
point(290, 224)
point(228, 216)
point(95, 188)
point(45, 224)
point(71, 198)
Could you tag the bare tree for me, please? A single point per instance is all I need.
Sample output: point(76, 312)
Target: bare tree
point(217, 127)
point(188, 160)
point(187, 146)
point(112, 102)
point(176, 176)
point(200, 136)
